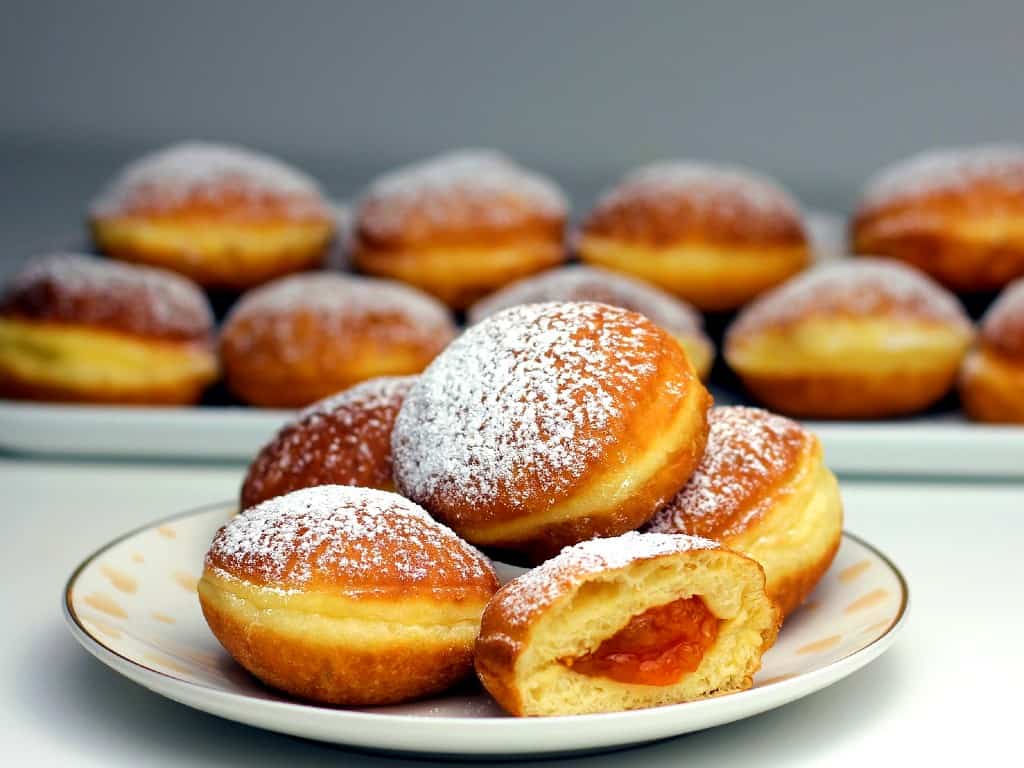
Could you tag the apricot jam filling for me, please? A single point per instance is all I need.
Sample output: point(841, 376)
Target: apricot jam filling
point(656, 647)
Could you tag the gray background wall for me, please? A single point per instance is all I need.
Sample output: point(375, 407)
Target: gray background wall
point(819, 93)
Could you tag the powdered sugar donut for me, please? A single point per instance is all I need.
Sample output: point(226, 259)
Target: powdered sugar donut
point(992, 378)
point(77, 328)
point(548, 424)
point(226, 216)
point(582, 283)
point(639, 620)
point(344, 439)
point(346, 595)
point(957, 214)
point(857, 338)
point(762, 489)
point(713, 235)
point(460, 225)
point(305, 337)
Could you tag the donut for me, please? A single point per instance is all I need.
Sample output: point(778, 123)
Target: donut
point(716, 236)
point(344, 439)
point(548, 424)
point(956, 214)
point(225, 216)
point(858, 338)
point(78, 329)
point(346, 596)
point(762, 489)
point(640, 620)
point(992, 378)
point(460, 225)
point(304, 337)
point(583, 283)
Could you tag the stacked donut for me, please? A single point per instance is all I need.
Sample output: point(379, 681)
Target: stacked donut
point(669, 538)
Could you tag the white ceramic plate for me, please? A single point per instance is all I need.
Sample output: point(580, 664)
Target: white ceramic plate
point(928, 446)
point(133, 606)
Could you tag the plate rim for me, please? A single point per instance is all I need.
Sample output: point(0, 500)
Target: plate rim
point(114, 659)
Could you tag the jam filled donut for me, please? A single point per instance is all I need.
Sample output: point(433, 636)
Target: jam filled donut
point(342, 440)
point(762, 489)
point(225, 216)
point(75, 328)
point(301, 338)
point(956, 214)
point(460, 225)
point(715, 236)
point(992, 378)
point(859, 338)
point(344, 595)
point(636, 621)
point(549, 424)
point(582, 283)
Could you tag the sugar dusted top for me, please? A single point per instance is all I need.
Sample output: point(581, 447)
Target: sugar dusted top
point(950, 171)
point(1002, 328)
point(470, 190)
point(78, 289)
point(382, 310)
point(582, 283)
point(204, 174)
point(536, 590)
point(357, 541)
point(856, 287)
point(343, 439)
point(678, 200)
point(522, 406)
point(749, 453)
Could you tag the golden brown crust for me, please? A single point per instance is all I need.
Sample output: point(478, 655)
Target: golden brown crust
point(73, 289)
point(327, 674)
point(1002, 328)
point(992, 387)
point(306, 337)
point(956, 214)
point(343, 440)
point(677, 203)
point(790, 592)
point(849, 395)
point(751, 455)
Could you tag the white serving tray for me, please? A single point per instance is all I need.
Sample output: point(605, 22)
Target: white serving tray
point(945, 445)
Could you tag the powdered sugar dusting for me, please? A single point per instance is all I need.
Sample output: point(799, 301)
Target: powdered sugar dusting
point(387, 311)
point(169, 177)
point(723, 189)
point(539, 588)
point(582, 283)
point(749, 450)
point(857, 287)
point(78, 288)
point(360, 537)
point(499, 192)
point(528, 398)
point(952, 169)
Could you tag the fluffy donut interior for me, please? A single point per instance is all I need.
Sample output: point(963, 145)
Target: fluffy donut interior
point(849, 345)
point(696, 270)
point(358, 622)
point(78, 357)
point(732, 588)
point(650, 444)
point(800, 529)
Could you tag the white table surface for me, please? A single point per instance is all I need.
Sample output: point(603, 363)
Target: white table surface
point(948, 691)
